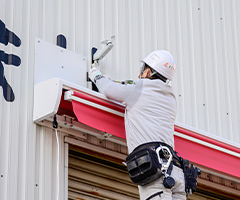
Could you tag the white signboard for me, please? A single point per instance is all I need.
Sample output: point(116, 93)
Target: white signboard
point(52, 61)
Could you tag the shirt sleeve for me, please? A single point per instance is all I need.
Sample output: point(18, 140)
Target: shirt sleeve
point(115, 91)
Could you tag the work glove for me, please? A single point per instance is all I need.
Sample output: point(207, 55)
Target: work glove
point(190, 174)
point(94, 74)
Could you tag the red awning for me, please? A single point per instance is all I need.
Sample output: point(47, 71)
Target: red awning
point(101, 114)
point(207, 152)
point(108, 117)
point(101, 119)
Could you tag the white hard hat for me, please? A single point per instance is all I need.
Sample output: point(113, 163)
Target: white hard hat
point(162, 62)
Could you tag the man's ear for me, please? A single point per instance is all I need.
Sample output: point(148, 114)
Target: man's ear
point(149, 72)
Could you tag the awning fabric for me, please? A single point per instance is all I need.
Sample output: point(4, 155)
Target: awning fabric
point(197, 148)
point(98, 118)
point(207, 152)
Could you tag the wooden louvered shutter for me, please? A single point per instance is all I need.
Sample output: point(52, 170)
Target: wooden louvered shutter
point(93, 178)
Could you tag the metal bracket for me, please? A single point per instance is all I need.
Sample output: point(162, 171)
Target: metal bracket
point(67, 123)
point(104, 135)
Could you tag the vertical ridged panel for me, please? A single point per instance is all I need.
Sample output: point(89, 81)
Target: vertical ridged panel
point(46, 177)
point(203, 36)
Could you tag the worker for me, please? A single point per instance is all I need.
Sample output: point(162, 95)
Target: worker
point(150, 114)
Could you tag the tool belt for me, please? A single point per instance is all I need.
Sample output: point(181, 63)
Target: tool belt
point(177, 160)
point(150, 161)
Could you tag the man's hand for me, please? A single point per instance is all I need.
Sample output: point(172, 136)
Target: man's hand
point(94, 74)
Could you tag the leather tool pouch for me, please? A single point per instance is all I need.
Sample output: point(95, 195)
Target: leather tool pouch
point(143, 166)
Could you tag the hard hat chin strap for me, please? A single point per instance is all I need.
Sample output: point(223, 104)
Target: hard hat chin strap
point(158, 76)
point(153, 73)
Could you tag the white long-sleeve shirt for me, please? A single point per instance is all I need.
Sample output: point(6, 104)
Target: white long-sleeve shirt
point(150, 109)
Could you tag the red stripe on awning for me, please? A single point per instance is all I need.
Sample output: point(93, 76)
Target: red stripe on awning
point(99, 119)
point(208, 157)
point(206, 139)
point(111, 105)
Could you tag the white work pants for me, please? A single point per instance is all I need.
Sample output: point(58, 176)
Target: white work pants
point(177, 192)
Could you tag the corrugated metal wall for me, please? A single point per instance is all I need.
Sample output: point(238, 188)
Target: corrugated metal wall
point(203, 36)
point(46, 163)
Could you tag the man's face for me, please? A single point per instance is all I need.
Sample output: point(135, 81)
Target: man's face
point(146, 73)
